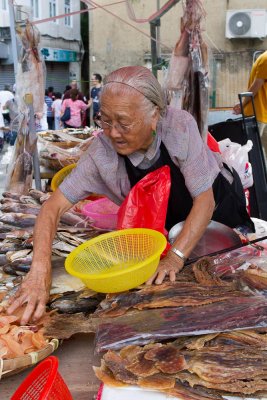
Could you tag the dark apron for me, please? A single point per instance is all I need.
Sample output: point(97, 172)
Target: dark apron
point(229, 198)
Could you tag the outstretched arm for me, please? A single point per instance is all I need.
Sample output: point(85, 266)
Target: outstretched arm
point(34, 290)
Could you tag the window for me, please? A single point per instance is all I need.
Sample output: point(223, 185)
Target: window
point(52, 9)
point(4, 5)
point(67, 10)
point(35, 8)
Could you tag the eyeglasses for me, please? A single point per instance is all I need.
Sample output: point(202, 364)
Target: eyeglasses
point(119, 127)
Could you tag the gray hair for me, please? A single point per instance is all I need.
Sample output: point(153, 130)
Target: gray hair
point(140, 79)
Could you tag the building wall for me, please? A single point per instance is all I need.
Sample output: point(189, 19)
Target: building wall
point(54, 35)
point(114, 44)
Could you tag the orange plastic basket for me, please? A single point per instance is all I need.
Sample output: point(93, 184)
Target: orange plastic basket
point(43, 383)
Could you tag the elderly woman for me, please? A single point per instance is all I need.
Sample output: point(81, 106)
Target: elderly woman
point(139, 135)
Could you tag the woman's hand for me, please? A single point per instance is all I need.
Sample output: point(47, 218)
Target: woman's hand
point(168, 266)
point(34, 292)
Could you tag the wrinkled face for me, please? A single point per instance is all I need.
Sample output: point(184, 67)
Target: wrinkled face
point(125, 122)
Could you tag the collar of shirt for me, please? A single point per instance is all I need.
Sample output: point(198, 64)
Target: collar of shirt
point(147, 159)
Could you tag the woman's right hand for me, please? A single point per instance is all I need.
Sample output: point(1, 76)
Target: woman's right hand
point(34, 292)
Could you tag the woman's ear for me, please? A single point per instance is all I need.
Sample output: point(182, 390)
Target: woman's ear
point(155, 118)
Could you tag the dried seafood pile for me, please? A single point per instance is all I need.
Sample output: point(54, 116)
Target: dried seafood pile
point(18, 214)
point(62, 148)
point(205, 367)
point(17, 340)
point(214, 319)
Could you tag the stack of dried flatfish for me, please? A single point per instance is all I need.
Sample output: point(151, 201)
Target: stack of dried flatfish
point(218, 329)
point(204, 367)
point(217, 310)
point(18, 214)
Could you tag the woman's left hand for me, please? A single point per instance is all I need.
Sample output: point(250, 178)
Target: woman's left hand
point(170, 265)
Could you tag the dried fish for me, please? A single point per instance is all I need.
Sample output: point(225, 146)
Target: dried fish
point(21, 254)
point(17, 234)
point(16, 268)
point(70, 238)
point(18, 219)
point(76, 302)
point(217, 368)
point(244, 312)
point(44, 197)
point(25, 199)
point(3, 259)
point(11, 195)
point(77, 220)
point(36, 194)
point(5, 227)
point(62, 246)
point(167, 295)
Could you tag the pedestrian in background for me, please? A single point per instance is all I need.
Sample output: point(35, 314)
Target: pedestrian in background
point(67, 88)
point(257, 84)
point(95, 96)
point(73, 85)
point(76, 106)
point(56, 108)
point(5, 95)
point(50, 117)
point(51, 92)
point(12, 107)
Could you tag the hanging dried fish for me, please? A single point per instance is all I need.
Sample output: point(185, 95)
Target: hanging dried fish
point(30, 82)
point(187, 77)
point(31, 68)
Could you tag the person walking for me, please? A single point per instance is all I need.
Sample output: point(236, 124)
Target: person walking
point(50, 117)
point(5, 95)
point(257, 84)
point(76, 106)
point(12, 107)
point(56, 108)
point(73, 85)
point(95, 97)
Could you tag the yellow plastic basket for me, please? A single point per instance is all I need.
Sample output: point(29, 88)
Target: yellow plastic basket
point(117, 261)
point(59, 177)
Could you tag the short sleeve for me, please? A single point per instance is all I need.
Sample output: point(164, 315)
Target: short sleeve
point(185, 145)
point(82, 181)
point(261, 70)
point(200, 167)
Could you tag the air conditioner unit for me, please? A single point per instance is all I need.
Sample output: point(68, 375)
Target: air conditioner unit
point(250, 23)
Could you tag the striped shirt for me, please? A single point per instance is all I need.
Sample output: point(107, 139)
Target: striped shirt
point(101, 170)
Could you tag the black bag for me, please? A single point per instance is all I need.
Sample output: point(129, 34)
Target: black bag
point(66, 116)
point(230, 202)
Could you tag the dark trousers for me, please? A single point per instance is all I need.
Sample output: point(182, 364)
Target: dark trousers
point(50, 121)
